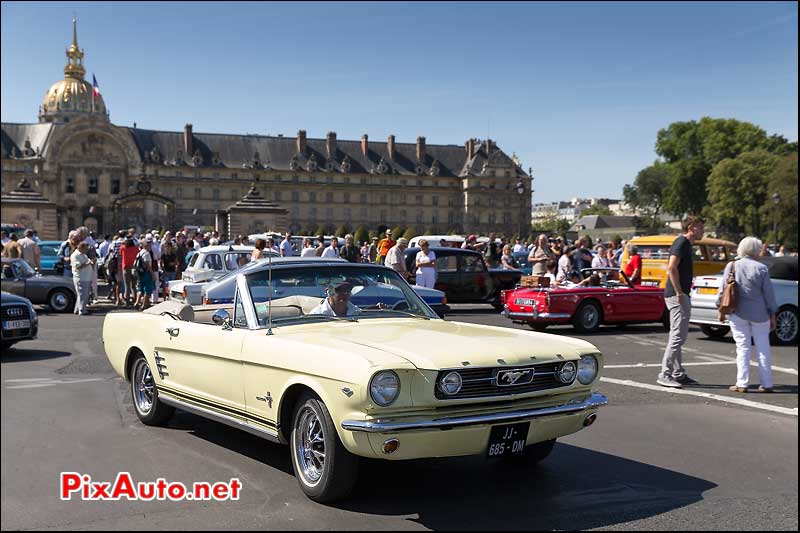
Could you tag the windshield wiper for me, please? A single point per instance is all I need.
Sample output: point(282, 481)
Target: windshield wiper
point(405, 313)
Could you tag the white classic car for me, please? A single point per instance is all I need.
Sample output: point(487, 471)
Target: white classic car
point(783, 275)
point(300, 358)
point(208, 263)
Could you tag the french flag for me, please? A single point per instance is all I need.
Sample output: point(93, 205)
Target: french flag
point(95, 87)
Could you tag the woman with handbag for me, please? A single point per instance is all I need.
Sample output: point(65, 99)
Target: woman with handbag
point(746, 294)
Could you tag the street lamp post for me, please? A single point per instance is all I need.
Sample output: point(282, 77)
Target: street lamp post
point(521, 192)
point(776, 199)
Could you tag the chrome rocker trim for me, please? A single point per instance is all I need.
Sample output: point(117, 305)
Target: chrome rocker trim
point(593, 401)
point(218, 417)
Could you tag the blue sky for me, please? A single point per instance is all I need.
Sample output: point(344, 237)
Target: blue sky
point(577, 90)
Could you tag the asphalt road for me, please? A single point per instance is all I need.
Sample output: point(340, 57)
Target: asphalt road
point(656, 459)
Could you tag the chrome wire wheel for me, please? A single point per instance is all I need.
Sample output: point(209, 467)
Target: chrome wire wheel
point(143, 387)
point(310, 446)
point(786, 326)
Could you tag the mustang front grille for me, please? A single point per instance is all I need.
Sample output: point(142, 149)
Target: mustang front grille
point(483, 382)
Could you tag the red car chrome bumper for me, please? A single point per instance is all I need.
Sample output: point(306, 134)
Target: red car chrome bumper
point(534, 315)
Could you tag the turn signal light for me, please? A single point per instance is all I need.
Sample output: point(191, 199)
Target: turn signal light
point(390, 446)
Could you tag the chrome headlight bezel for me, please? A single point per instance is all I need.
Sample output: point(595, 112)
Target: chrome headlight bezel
point(454, 375)
point(566, 374)
point(383, 400)
point(588, 367)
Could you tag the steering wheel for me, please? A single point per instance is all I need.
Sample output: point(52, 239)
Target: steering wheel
point(400, 305)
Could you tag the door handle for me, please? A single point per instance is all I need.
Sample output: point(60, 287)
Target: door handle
point(173, 332)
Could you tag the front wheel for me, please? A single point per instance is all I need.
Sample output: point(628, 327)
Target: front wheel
point(61, 301)
point(324, 468)
point(714, 332)
point(587, 319)
point(150, 410)
point(786, 327)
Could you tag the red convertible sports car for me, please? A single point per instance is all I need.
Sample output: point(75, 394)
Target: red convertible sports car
point(614, 300)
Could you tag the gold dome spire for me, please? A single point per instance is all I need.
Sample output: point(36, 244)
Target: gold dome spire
point(72, 97)
point(74, 68)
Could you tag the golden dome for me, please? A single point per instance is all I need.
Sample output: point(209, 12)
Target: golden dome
point(72, 96)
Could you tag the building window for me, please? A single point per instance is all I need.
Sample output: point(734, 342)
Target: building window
point(215, 194)
point(435, 200)
point(329, 214)
point(329, 197)
point(419, 199)
point(115, 185)
point(70, 184)
point(179, 192)
point(92, 184)
point(198, 193)
point(295, 196)
point(312, 196)
point(347, 197)
point(383, 198)
point(364, 213)
point(277, 196)
point(348, 214)
point(363, 197)
point(234, 175)
point(419, 217)
point(233, 194)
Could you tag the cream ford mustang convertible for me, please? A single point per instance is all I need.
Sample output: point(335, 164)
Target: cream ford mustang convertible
point(342, 361)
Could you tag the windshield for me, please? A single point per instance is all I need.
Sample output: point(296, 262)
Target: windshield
point(333, 292)
point(24, 270)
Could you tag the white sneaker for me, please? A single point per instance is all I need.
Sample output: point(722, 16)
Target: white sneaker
point(668, 382)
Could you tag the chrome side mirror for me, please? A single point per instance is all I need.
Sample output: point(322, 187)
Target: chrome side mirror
point(222, 318)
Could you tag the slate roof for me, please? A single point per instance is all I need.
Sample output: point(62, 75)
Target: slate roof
point(280, 153)
point(13, 137)
point(605, 221)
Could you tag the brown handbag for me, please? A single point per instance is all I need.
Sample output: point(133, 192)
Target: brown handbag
point(730, 293)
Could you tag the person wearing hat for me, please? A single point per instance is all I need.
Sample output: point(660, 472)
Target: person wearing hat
point(384, 246)
point(396, 260)
point(337, 302)
point(373, 251)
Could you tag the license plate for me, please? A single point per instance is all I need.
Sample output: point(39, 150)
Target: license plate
point(16, 324)
point(524, 301)
point(650, 283)
point(706, 290)
point(508, 440)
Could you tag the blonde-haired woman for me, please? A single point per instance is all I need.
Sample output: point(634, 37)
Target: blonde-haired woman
point(426, 265)
point(754, 316)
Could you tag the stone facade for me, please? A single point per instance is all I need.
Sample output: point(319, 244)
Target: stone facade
point(94, 171)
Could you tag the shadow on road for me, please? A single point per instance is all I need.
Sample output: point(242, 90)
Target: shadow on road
point(574, 489)
point(22, 355)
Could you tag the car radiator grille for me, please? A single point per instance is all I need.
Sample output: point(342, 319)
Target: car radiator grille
point(15, 312)
point(482, 382)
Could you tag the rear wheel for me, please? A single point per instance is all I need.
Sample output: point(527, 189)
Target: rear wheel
point(715, 332)
point(61, 300)
point(588, 318)
point(324, 468)
point(786, 327)
point(150, 410)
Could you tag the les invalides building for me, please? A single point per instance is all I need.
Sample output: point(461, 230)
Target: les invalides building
point(74, 167)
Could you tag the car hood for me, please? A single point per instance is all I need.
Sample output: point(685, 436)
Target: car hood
point(8, 298)
point(437, 344)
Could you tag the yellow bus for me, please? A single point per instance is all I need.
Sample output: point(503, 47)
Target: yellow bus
point(710, 257)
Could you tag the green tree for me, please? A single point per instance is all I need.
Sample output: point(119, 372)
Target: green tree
point(646, 195)
point(597, 209)
point(410, 233)
point(783, 181)
point(361, 234)
point(398, 231)
point(322, 230)
point(737, 192)
point(342, 230)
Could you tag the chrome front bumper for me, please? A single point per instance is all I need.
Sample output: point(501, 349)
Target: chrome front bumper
point(593, 401)
point(535, 315)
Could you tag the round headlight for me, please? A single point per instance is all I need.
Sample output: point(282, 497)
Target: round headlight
point(587, 369)
point(451, 383)
point(384, 387)
point(567, 372)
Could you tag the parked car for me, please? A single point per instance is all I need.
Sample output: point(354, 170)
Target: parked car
point(208, 263)
point(57, 292)
point(616, 301)
point(522, 262)
point(385, 381)
point(782, 273)
point(222, 291)
point(49, 256)
point(20, 321)
point(710, 256)
point(464, 276)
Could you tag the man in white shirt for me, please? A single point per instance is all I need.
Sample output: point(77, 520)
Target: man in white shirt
point(396, 260)
point(518, 247)
point(286, 245)
point(30, 250)
point(338, 302)
point(333, 249)
point(309, 250)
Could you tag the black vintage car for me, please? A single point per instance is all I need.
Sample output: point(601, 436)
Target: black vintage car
point(465, 277)
point(20, 321)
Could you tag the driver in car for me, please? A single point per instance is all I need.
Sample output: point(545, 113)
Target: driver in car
point(338, 302)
